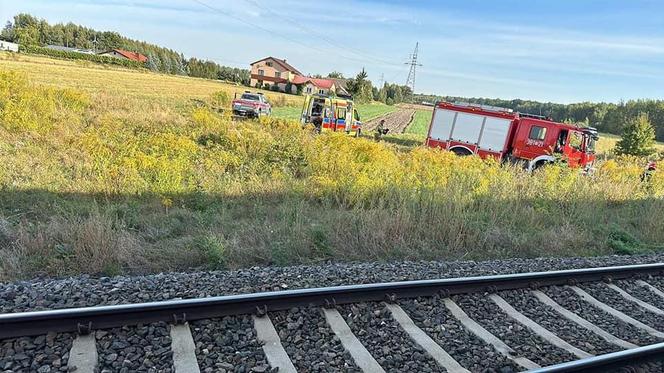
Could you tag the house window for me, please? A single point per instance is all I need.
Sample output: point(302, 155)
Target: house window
point(321, 91)
point(309, 90)
point(277, 74)
point(269, 64)
point(537, 133)
point(261, 72)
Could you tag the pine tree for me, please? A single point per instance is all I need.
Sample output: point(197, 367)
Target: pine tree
point(638, 137)
point(360, 87)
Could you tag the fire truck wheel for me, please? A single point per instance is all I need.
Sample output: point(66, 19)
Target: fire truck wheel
point(541, 164)
point(461, 152)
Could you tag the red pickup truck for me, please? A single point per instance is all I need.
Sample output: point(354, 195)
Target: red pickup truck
point(251, 105)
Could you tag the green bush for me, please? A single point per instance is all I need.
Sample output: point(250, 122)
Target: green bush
point(212, 249)
point(624, 243)
point(80, 56)
point(220, 100)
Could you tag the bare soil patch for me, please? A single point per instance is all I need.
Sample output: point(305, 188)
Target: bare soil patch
point(396, 121)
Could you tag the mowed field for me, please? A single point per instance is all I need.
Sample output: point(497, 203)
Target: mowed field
point(176, 91)
point(107, 171)
point(134, 84)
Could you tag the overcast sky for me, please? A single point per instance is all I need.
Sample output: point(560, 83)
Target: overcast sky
point(555, 50)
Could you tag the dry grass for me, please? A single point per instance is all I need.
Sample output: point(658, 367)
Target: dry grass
point(141, 85)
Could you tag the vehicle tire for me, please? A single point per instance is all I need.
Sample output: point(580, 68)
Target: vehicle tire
point(540, 164)
point(461, 152)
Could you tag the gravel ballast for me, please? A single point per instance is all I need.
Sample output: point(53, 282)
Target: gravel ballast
point(310, 343)
point(143, 348)
point(430, 315)
point(641, 292)
point(386, 341)
point(527, 344)
point(42, 354)
point(82, 291)
point(568, 299)
point(228, 344)
point(611, 297)
point(569, 331)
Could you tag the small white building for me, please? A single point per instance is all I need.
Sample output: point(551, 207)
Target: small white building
point(7, 46)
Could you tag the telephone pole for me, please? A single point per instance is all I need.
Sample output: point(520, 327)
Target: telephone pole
point(413, 67)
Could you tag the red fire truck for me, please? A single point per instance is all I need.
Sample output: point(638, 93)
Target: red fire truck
point(490, 131)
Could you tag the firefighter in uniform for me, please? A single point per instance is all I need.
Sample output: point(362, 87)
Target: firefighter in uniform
point(651, 167)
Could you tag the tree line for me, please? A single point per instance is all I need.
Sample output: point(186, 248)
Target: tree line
point(606, 117)
point(364, 91)
point(30, 31)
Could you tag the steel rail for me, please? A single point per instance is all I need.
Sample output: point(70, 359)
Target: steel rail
point(82, 320)
point(614, 360)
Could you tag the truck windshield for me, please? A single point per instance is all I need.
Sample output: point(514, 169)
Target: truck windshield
point(247, 96)
point(576, 140)
point(590, 144)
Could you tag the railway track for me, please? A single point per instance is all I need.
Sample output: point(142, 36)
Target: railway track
point(597, 319)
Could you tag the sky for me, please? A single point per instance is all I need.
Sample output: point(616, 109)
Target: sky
point(546, 50)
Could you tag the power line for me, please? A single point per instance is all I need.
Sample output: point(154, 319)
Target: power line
point(240, 19)
point(323, 37)
point(271, 32)
point(410, 82)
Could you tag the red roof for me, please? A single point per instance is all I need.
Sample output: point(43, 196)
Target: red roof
point(320, 83)
point(282, 63)
point(135, 56)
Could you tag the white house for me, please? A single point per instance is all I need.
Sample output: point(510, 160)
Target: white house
point(7, 46)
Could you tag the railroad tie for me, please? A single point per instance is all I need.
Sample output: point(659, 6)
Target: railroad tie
point(582, 322)
point(184, 349)
point(355, 348)
point(421, 338)
point(272, 347)
point(83, 354)
point(483, 334)
point(631, 298)
point(537, 328)
point(615, 313)
point(651, 288)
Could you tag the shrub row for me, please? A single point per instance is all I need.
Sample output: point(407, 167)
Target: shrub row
point(79, 56)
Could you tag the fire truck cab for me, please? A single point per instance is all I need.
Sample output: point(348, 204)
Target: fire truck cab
point(490, 131)
point(332, 113)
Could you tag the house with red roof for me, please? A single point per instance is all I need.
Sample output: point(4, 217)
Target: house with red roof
point(271, 70)
point(121, 53)
point(315, 85)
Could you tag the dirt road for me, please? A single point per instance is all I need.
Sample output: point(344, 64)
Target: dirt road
point(396, 121)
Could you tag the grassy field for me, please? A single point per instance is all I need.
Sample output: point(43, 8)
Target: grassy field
point(420, 124)
point(115, 171)
point(145, 86)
